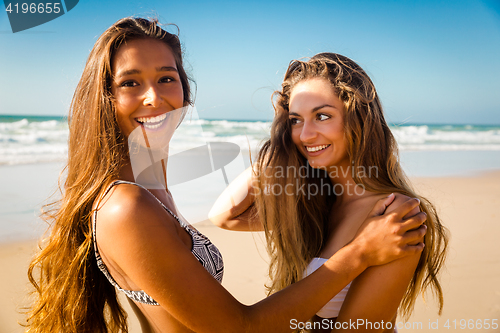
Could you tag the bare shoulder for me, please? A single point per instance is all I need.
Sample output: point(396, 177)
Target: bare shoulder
point(377, 292)
point(408, 263)
point(130, 209)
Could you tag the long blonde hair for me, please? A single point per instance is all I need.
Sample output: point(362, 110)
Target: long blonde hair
point(296, 224)
point(71, 294)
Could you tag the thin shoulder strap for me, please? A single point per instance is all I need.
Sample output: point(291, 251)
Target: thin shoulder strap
point(138, 296)
point(117, 182)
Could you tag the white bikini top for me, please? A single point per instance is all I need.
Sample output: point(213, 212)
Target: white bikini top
point(332, 308)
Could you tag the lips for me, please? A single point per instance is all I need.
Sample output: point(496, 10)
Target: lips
point(152, 122)
point(314, 149)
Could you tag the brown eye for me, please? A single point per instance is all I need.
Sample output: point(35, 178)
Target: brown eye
point(322, 116)
point(167, 79)
point(129, 83)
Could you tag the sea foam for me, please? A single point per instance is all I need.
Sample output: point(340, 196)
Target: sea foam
point(37, 139)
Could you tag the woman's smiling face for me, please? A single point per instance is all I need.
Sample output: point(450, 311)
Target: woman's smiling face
point(146, 84)
point(317, 119)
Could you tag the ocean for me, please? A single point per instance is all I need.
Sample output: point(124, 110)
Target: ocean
point(33, 150)
point(39, 139)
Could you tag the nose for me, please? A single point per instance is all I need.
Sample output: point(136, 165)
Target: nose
point(152, 97)
point(308, 133)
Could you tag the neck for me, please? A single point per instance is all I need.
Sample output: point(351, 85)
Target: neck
point(345, 187)
point(152, 178)
point(126, 172)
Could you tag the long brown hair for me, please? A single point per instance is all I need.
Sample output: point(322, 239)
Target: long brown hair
point(296, 224)
point(71, 294)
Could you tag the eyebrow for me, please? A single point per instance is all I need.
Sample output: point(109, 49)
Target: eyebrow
point(316, 109)
point(158, 69)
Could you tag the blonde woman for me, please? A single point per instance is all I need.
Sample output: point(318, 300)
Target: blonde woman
point(109, 233)
point(330, 158)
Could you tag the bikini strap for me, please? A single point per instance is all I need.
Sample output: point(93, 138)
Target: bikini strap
point(138, 296)
point(117, 182)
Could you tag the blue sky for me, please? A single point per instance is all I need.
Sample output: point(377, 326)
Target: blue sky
point(431, 61)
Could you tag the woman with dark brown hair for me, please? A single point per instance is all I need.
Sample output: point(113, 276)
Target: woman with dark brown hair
point(329, 137)
point(108, 232)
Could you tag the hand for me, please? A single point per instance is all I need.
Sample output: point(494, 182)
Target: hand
point(387, 237)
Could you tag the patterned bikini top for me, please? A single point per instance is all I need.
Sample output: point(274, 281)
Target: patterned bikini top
point(207, 253)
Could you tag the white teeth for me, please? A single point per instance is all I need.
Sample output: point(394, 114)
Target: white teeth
point(152, 126)
point(316, 148)
point(152, 122)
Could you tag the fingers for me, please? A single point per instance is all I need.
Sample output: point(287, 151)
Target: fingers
point(382, 205)
point(414, 236)
point(414, 249)
point(413, 222)
point(406, 207)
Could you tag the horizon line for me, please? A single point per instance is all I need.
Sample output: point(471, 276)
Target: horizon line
point(401, 123)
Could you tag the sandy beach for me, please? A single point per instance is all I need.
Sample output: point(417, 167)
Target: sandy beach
point(468, 206)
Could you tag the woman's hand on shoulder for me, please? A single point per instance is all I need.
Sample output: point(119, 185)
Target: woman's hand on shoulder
point(387, 235)
point(400, 199)
point(376, 294)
